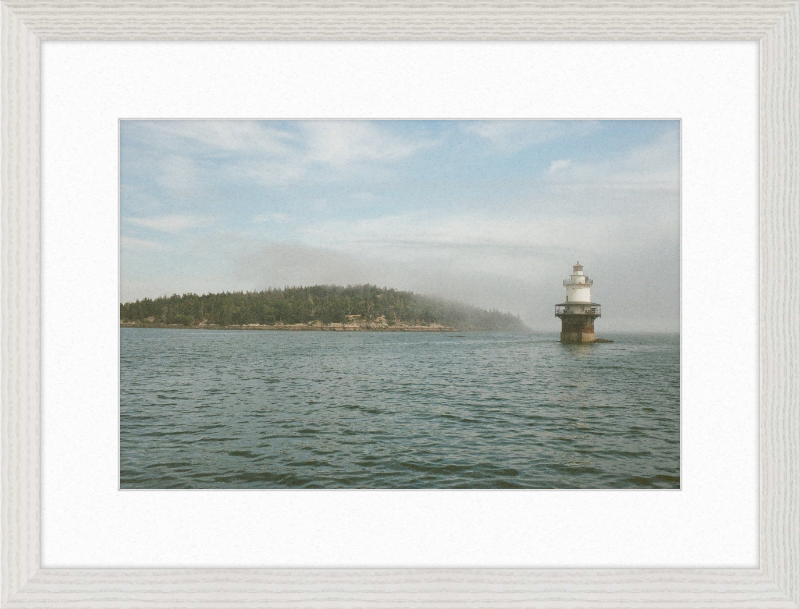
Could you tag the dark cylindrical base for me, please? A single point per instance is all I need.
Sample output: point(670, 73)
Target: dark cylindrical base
point(577, 329)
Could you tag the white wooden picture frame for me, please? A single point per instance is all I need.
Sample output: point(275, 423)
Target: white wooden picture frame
point(775, 24)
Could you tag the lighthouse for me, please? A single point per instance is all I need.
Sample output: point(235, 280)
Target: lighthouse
point(577, 313)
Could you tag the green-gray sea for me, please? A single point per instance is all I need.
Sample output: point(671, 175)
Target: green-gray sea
point(282, 409)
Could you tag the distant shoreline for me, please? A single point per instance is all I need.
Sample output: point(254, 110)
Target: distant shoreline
point(306, 327)
point(328, 308)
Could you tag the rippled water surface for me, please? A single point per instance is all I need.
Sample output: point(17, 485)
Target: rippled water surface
point(268, 409)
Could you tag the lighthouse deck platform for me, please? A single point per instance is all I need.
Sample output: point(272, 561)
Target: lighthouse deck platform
point(578, 308)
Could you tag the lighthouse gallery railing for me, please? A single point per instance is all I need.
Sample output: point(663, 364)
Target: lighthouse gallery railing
point(578, 308)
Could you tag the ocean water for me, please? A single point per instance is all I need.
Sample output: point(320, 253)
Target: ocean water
point(277, 409)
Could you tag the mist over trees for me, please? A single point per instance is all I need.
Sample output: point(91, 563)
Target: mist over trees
point(321, 303)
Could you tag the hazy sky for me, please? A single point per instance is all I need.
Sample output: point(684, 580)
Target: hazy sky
point(491, 213)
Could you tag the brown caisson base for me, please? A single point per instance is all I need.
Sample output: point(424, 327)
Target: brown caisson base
point(577, 337)
point(577, 329)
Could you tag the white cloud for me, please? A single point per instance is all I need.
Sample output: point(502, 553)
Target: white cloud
point(655, 166)
point(270, 153)
point(559, 165)
point(513, 136)
point(219, 136)
point(169, 224)
point(339, 143)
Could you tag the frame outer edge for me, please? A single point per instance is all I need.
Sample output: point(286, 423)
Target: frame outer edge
point(382, 20)
point(20, 325)
point(780, 304)
point(20, 304)
point(391, 588)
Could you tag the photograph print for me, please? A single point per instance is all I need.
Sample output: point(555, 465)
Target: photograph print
point(400, 304)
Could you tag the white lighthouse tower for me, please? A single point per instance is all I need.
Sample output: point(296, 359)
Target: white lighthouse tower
point(577, 313)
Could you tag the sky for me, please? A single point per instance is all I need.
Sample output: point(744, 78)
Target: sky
point(489, 213)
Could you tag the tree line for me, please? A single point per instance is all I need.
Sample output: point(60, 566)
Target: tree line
point(324, 303)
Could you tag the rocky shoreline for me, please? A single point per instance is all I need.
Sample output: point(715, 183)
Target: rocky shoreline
point(315, 326)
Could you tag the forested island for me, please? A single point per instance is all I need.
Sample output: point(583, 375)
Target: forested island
point(320, 307)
